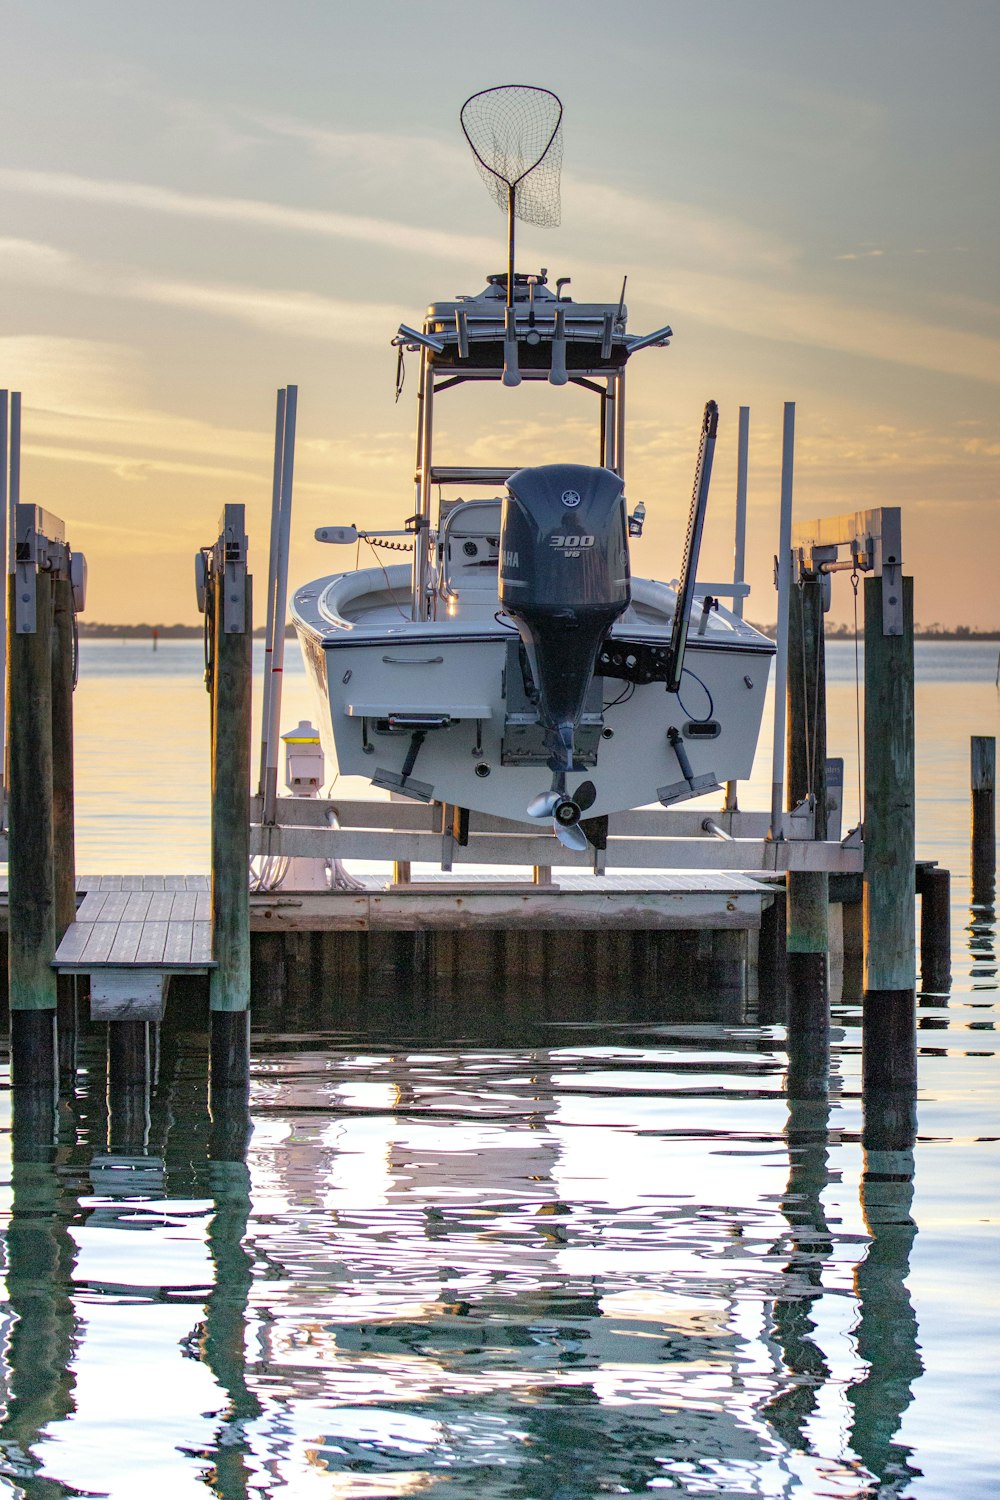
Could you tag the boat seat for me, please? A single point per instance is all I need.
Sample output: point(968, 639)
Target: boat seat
point(469, 547)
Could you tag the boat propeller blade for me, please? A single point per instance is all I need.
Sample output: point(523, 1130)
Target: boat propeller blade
point(565, 811)
point(544, 804)
point(570, 835)
point(585, 795)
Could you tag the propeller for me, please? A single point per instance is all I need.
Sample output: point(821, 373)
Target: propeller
point(564, 810)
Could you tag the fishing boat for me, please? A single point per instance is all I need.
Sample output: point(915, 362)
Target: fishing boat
point(515, 666)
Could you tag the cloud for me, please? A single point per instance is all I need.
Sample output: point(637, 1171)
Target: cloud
point(378, 151)
point(670, 232)
point(303, 315)
point(30, 263)
point(816, 321)
point(79, 378)
point(148, 198)
point(764, 304)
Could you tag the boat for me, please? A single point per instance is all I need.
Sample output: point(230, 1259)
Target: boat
point(515, 666)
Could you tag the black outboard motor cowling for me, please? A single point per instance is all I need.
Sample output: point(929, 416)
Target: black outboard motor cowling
point(564, 580)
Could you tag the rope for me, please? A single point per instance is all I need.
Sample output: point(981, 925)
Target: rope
point(385, 575)
point(209, 636)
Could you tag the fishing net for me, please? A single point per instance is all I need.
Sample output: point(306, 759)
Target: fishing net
point(516, 137)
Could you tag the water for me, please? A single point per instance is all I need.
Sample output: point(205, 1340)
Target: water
point(575, 1246)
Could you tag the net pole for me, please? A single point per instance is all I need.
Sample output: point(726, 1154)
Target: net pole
point(511, 215)
point(511, 373)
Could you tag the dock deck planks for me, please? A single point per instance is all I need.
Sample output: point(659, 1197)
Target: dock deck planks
point(124, 922)
point(164, 921)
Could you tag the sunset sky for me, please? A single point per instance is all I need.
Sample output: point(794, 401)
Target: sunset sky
point(202, 202)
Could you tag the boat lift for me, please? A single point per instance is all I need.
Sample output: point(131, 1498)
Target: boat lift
point(656, 838)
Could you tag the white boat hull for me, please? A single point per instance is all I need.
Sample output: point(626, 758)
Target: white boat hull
point(367, 673)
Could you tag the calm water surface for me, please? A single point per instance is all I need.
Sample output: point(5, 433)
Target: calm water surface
point(562, 1246)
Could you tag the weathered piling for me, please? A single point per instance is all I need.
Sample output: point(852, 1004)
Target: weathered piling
point(808, 899)
point(984, 842)
point(888, 1030)
point(63, 809)
point(32, 917)
point(229, 603)
point(934, 890)
point(128, 1054)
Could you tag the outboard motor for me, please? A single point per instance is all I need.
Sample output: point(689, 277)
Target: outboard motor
point(564, 580)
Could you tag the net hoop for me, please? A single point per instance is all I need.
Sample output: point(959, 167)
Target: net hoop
point(515, 135)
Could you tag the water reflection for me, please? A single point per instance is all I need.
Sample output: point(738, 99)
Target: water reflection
point(43, 1331)
point(468, 1251)
point(887, 1325)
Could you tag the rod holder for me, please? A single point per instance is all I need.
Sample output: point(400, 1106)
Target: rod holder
point(511, 373)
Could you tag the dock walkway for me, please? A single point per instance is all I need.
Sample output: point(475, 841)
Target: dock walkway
point(164, 921)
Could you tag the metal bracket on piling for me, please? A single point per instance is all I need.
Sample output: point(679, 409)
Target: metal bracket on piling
point(231, 568)
point(874, 542)
point(39, 545)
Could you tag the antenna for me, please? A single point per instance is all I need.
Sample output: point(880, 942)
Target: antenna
point(515, 134)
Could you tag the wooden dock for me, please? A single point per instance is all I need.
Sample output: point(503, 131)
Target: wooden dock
point(718, 895)
point(166, 919)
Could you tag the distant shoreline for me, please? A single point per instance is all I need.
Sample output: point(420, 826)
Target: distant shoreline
point(96, 631)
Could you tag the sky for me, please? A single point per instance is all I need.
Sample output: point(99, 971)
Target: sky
point(201, 203)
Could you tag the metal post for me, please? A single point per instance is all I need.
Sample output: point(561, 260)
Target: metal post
point(739, 553)
point(14, 493)
point(280, 606)
point(63, 807)
point(784, 587)
point(232, 678)
point(742, 464)
point(272, 560)
point(984, 842)
point(425, 449)
point(888, 1026)
point(31, 906)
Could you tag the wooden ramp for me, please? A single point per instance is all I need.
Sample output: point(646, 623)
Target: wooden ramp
point(131, 934)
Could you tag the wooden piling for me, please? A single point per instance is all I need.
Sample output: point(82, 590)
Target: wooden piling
point(984, 842)
point(63, 822)
point(934, 890)
point(808, 900)
point(32, 918)
point(888, 1029)
point(128, 1055)
point(230, 600)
